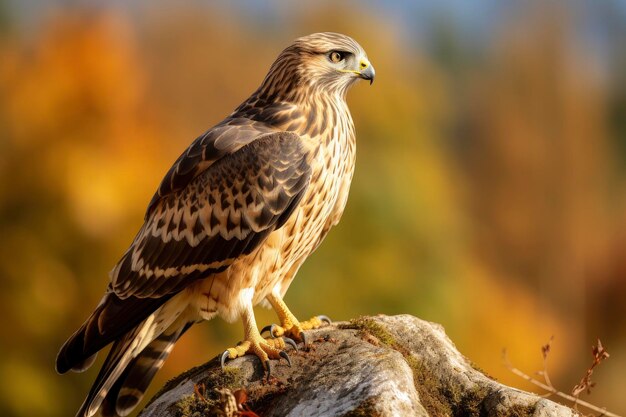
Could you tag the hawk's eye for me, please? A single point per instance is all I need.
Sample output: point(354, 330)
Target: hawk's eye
point(336, 56)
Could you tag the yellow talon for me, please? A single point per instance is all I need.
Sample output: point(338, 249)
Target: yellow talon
point(263, 348)
point(312, 323)
point(254, 343)
point(289, 324)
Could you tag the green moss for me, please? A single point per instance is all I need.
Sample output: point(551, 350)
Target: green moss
point(197, 406)
point(429, 389)
point(428, 386)
point(445, 399)
point(192, 406)
point(470, 402)
point(366, 326)
point(230, 377)
point(184, 405)
point(520, 411)
point(439, 399)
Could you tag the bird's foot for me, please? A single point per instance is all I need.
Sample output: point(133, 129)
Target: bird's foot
point(264, 349)
point(295, 329)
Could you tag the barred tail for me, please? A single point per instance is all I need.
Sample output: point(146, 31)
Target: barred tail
point(134, 359)
point(130, 387)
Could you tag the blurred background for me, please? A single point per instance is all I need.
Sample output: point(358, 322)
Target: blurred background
point(489, 194)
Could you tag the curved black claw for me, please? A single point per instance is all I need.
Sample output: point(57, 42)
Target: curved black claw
point(291, 343)
point(269, 328)
point(325, 318)
point(223, 358)
point(266, 328)
point(305, 342)
point(284, 355)
point(269, 369)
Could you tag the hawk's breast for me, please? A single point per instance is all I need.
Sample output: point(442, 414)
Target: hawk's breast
point(275, 262)
point(324, 201)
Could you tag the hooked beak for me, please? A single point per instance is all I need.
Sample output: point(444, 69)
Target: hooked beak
point(367, 71)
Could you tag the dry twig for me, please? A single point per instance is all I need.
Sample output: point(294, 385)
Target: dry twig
point(545, 351)
point(547, 385)
point(585, 384)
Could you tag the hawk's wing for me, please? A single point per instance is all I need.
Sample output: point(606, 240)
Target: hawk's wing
point(223, 212)
point(223, 139)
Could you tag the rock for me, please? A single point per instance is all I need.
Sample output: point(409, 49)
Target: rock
point(371, 366)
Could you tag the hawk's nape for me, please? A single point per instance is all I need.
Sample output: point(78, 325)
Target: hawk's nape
point(231, 223)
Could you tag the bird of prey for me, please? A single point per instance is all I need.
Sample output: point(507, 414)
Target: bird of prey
point(229, 226)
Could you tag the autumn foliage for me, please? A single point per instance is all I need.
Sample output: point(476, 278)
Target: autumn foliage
point(489, 194)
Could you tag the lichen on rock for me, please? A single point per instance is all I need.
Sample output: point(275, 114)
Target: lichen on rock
point(370, 366)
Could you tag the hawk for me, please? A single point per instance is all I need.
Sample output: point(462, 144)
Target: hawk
point(230, 225)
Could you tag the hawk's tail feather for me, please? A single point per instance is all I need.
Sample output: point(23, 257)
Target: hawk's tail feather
point(112, 361)
point(130, 387)
point(111, 319)
point(125, 350)
point(82, 366)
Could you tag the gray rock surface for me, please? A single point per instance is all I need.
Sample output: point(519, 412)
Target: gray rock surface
point(371, 366)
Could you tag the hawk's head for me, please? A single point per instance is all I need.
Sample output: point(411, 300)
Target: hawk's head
point(327, 61)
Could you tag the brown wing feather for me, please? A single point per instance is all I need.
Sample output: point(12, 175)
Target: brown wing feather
point(223, 139)
point(111, 319)
point(223, 213)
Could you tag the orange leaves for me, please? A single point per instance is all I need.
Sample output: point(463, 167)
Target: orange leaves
point(76, 69)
